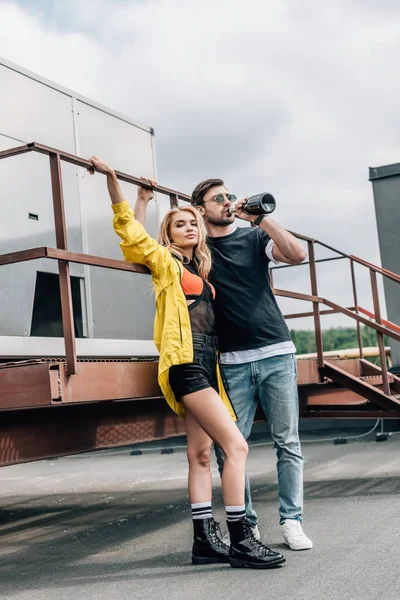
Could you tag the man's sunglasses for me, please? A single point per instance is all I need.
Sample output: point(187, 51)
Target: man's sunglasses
point(220, 198)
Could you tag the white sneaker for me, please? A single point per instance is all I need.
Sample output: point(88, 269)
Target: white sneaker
point(294, 535)
point(256, 532)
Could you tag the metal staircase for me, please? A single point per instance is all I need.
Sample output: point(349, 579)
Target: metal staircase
point(370, 391)
point(42, 400)
point(369, 387)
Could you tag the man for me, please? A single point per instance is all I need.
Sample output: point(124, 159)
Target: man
point(256, 351)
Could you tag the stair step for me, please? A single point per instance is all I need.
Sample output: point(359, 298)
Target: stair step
point(373, 379)
point(360, 386)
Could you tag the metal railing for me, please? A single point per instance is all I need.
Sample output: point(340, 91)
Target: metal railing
point(381, 326)
point(64, 257)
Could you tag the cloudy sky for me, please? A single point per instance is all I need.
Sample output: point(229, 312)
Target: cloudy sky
point(296, 97)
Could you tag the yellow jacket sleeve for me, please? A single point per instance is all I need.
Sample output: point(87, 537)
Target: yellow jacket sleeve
point(137, 245)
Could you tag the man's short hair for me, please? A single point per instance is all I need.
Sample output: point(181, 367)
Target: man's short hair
point(201, 190)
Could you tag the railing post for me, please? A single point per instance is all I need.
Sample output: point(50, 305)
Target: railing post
point(353, 282)
point(173, 200)
point(379, 335)
point(63, 266)
point(314, 292)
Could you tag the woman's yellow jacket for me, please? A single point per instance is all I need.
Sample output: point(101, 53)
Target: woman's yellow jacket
point(172, 331)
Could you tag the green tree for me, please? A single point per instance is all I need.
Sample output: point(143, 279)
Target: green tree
point(339, 338)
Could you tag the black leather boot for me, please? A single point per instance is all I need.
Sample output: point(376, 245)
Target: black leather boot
point(246, 551)
point(208, 546)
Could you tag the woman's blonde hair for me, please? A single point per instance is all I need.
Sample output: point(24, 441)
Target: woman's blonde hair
point(201, 252)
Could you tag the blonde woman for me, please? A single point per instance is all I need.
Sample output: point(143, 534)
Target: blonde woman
point(188, 370)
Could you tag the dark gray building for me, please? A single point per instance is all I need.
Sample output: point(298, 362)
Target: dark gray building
point(386, 187)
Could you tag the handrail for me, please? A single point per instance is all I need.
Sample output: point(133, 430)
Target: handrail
point(384, 321)
point(64, 257)
point(74, 257)
point(380, 270)
point(82, 162)
point(120, 265)
point(306, 262)
point(86, 164)
point(315, 241)
point(336, 308)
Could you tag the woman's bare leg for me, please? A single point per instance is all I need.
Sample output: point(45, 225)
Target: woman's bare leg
point(210, 412)
point(199, 455)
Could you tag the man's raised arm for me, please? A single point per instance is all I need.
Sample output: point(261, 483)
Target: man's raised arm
point(287, 248)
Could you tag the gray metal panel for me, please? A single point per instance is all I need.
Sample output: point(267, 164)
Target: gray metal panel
point(25, 188)
point(59, 88)
point(21, 195)
point(387, 208)
point(17, 288)
point(126, 146)
point(381, 172)
point(121, 304)
point(70, 175)
point(33, 112)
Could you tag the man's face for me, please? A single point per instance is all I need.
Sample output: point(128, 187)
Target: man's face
point(214, 212)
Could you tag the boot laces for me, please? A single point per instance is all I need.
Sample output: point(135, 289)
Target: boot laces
point(217, 534)
point(254, 543)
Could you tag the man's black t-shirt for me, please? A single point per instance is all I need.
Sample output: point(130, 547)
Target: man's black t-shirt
point(247, 315)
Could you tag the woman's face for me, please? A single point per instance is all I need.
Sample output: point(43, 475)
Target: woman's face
point(184, 231)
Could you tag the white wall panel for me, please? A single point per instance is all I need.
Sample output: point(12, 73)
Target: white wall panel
point(119, 305)
point(34, 112)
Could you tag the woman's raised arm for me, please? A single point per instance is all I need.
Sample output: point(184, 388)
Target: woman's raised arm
point(137, 245)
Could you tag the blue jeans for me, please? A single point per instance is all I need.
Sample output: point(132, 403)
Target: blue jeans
point(272, 382)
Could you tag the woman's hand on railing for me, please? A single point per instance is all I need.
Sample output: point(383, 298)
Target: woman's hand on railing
point(101, 166)
point(114, 189)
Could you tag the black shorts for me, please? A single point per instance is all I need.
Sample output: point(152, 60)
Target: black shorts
point(201, 373)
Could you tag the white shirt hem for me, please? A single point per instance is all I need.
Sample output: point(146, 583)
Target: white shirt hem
point(246, 356)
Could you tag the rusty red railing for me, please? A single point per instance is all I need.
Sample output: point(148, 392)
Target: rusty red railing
point(64, 257)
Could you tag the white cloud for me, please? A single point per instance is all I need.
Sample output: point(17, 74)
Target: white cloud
point(295, 98)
